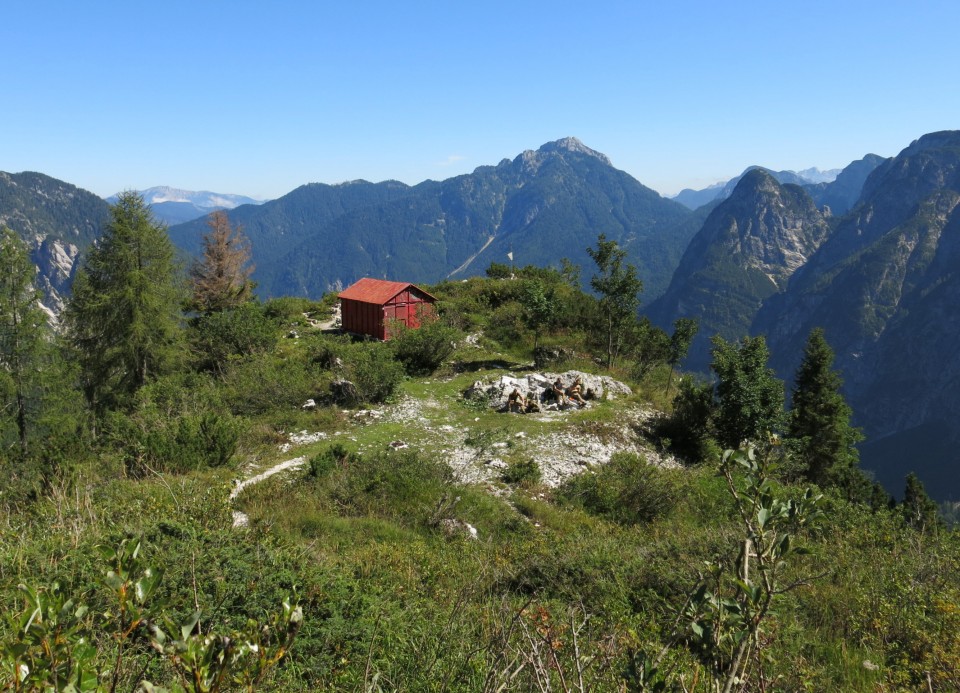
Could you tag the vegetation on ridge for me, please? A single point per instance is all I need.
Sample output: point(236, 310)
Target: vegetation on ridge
point(723, 571)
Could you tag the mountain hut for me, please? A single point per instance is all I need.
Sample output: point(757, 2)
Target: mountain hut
point(371, 305)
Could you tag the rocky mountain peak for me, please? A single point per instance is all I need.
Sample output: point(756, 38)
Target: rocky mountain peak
point(530, 161)
point(572, 144)
point(754, 181)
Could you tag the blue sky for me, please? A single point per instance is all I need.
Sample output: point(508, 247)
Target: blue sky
point(257, 98)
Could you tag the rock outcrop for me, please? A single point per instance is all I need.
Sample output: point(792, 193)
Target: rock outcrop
point(536, 386)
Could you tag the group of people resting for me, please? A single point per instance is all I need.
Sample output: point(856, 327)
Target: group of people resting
point(517, 402)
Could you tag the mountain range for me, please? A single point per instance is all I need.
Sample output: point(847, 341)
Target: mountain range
point(719, 191)
point(880, 279)
point(537, 208)
point(175, 206)
point(870, 256)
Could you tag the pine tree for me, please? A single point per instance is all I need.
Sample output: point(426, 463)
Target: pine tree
point(619, 289)
point(22, 327)
point(820, 430)
point(917, 508)
point(124, 318)
point(222, 279)
point(749, 395)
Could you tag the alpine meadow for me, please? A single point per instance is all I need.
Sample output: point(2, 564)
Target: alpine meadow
point(611, 442)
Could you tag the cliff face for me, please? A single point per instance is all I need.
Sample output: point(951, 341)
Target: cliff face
point(748, 248)
point(885, 288)
point(57, 220)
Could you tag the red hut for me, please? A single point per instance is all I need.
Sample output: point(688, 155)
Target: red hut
point(371, 305)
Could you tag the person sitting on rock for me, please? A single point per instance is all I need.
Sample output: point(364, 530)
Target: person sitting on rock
point(533, 406)
point(558, 391)
point(573, 392)
point(516, 400)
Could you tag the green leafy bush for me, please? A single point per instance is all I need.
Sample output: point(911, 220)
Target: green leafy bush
point(242, 331)
point(370, 366)
point(179, 444)
point(627, 490)
point(690, 426)
point(399, 484)
point(422, 350)
point(265, 382)
point(507, 325)
point(525, 472)
point(178, 423)
point(288, 310)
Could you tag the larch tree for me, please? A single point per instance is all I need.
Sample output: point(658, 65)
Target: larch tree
point(221, 279)
point(124, 318)
point(819, 426)
point(619, 289)
point(22, 331)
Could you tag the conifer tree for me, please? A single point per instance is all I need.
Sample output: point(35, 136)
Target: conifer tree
point(819, 429)
point(749, 395)
point(918, 509)
point(619, 289)
point(22, 326)
point(221, 280)
point(124, 318)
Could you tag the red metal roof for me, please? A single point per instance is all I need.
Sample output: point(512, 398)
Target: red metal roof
point(377, 290)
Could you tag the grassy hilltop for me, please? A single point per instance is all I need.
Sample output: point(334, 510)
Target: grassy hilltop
point(429, 540)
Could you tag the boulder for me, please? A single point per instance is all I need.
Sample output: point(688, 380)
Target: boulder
point(344, 393)
point(537, 386)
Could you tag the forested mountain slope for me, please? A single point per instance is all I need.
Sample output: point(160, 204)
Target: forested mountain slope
point(540, 207)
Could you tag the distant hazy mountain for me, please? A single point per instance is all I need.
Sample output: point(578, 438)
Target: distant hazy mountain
point(842, 193)
point(175, 206)
point(540, 207)
point(718, 191)
point(58, 221)
point(815, 175)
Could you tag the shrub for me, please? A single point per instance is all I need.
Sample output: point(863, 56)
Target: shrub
point(689, 427)
point(178, 444)
point(242, 331)
point(525, 472)
point(264, 382)
point(397, 484)
point(373, 371)
point(506, 325)
point(627, 490)
point(290, 309)
point(334, 457)
point(421, 351)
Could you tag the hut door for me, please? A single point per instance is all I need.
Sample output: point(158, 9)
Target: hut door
point(395, 312)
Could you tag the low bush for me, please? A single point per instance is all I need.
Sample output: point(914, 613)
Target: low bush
point(373, 371)
point(266, 382)
point(689, 428)
point(243, 331)
point(289, 310)
point(627, 490)
point(401, 485)
point(524, 472)
point(423, 350)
